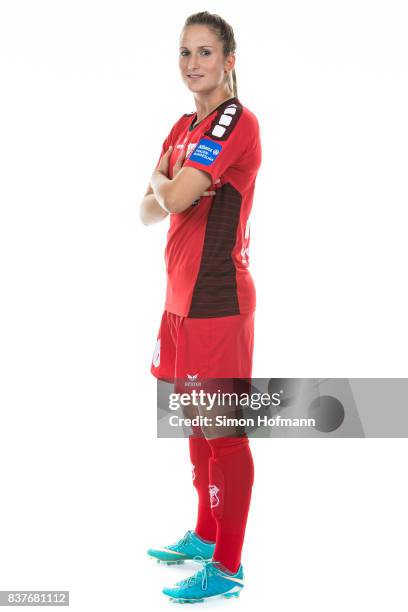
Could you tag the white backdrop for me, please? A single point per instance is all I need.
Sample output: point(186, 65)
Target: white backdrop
point(89, 92)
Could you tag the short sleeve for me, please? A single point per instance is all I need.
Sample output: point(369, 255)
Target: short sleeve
point(224, 144)
point(165, 146)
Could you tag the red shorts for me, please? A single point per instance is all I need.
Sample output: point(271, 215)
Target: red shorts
point(196, 349)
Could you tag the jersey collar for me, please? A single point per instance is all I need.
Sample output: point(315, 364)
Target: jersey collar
point(225, 103)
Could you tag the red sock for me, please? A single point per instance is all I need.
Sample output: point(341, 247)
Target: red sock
point(200, 453)
point(231, 480)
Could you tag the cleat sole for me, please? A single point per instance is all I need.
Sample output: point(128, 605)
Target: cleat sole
point(226, 595)
point(184, 601)
point(176, 562)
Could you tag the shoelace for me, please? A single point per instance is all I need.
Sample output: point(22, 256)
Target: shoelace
point(183, 541)
point(203, 573)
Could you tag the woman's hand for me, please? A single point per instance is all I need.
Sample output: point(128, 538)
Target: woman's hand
point(179, 164)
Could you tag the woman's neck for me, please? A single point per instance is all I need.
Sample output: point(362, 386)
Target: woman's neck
point(205, 107)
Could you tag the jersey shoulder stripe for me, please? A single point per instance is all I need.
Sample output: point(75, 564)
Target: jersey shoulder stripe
point(225, 120)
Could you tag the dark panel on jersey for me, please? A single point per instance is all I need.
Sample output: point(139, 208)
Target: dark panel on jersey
point(215, 290)
point(218, 121)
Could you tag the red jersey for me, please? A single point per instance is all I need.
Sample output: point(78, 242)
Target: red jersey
point(207, 250)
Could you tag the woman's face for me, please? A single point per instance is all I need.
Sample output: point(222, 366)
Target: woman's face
point(201, 54)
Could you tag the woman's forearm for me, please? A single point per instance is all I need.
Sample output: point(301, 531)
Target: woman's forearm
point(162, 187)
point(150, 210)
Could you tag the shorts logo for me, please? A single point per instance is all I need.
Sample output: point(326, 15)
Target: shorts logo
point(156, 354)
point(214, 499)
point(206, 152)
point(193, 474)
point(192, 381)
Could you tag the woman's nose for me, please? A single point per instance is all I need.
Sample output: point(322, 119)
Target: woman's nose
point(193, 62)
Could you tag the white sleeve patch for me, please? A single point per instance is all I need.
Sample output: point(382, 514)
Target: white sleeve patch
point(218, 130)
point(225, 120)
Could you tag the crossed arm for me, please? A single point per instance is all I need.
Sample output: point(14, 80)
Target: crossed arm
point(164, 195)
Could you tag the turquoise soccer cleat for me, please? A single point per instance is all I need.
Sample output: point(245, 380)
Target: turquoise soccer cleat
point(208, 583)
point(188, 547)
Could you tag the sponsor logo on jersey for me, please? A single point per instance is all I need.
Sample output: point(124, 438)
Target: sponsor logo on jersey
point(214, 499)
point(205, 152)
point(190, 146)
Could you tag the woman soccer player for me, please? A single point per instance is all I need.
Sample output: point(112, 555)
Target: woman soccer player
point(205, 180)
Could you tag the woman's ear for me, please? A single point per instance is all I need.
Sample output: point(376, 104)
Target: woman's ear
point(230, 62)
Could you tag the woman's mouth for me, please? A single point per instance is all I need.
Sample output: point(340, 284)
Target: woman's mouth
point(194, 76)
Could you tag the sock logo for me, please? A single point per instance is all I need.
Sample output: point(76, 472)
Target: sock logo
point(193, 475)
point(214, 499)
point(156, 354)
point(244, 255)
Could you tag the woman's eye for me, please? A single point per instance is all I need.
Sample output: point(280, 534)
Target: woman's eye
point(204, 52)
